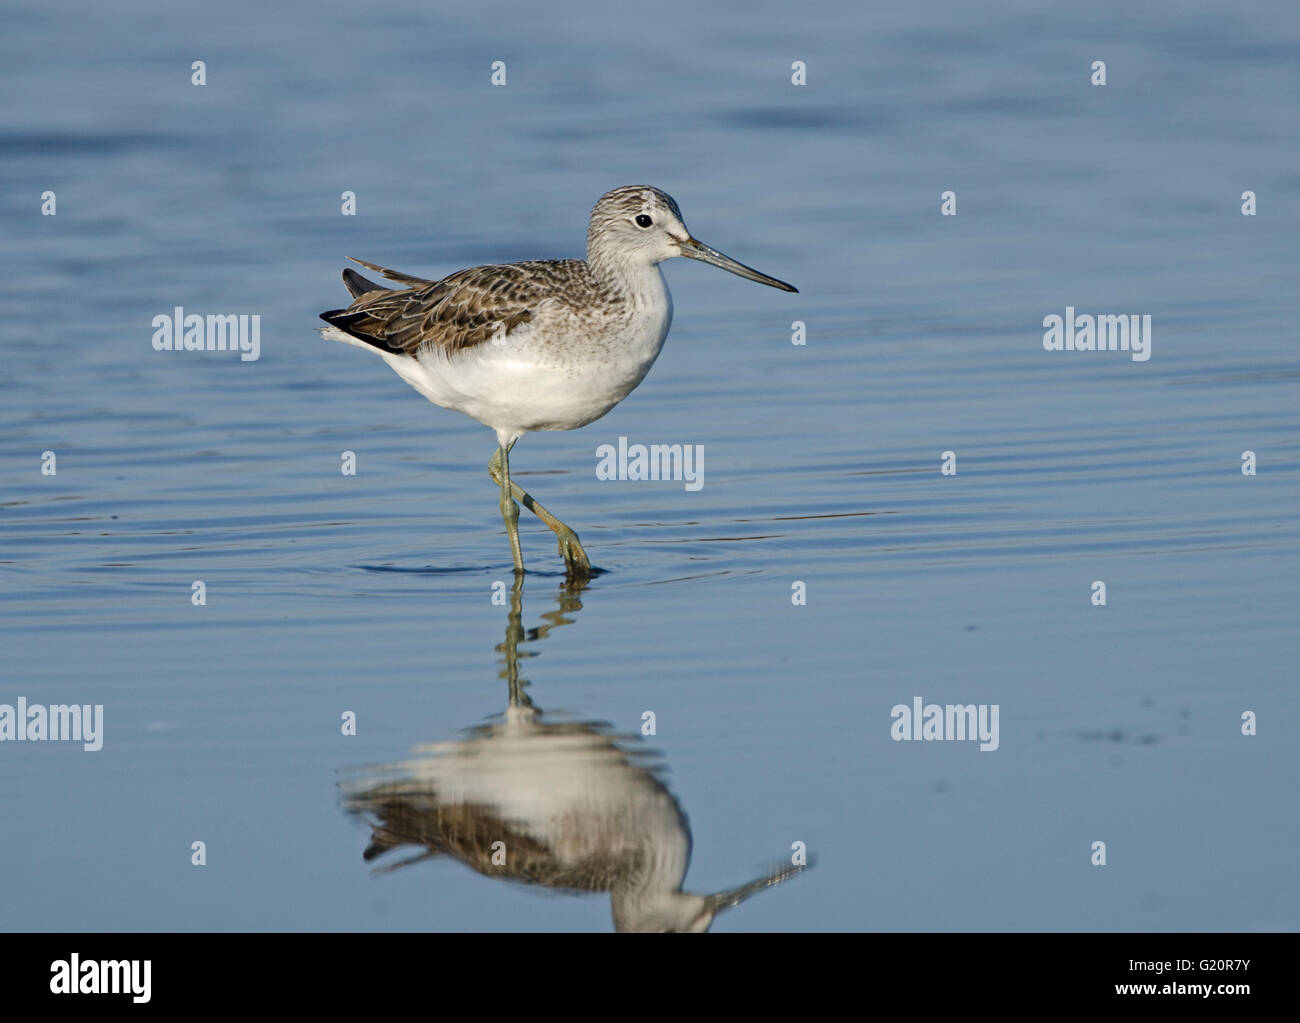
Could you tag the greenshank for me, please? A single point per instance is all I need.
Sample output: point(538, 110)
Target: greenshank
point(539, 345)
point(562, 804)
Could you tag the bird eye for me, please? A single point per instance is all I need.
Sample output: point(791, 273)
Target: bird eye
point(643, 221)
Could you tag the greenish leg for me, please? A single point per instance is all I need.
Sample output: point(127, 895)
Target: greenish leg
point(576, 562)
point(510, 648)
point(509, 510)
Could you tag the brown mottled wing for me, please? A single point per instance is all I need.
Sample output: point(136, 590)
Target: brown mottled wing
point(460, 311)
point(469, 832)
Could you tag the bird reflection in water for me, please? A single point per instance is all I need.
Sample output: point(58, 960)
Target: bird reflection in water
point(565, 804)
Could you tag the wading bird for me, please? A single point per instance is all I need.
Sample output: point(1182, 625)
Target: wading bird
point(540, 345)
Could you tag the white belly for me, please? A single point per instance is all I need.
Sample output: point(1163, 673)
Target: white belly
point(555, 373)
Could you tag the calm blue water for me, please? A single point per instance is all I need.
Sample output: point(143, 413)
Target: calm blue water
point(373, 593)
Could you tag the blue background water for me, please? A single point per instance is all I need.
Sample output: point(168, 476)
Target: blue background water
point(371, 593)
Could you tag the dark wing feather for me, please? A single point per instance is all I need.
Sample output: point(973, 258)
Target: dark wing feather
point(391, 275)
point(358, 285)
